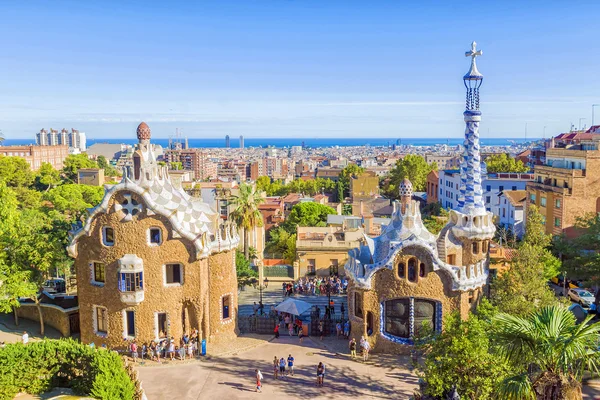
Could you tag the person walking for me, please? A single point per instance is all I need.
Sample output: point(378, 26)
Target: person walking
point(321, 329)
point(365, 350)
point(320, 374)
point(275, 367)
point(352, 346)
point(290, 362)
point(25, 337)
point(347, 329)
point(338, 329)
point(259, 378)
point(343, 310)
point(276, 331)
point(134, 351)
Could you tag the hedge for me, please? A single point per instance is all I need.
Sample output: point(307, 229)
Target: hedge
point(39, 366)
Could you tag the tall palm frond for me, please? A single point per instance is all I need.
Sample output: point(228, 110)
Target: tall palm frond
point(246, 214)
point(548, 343)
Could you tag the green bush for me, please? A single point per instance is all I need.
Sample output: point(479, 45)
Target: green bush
point(40, 366)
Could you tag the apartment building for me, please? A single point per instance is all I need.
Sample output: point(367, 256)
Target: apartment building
point(193, 160)
point(36, 155)
point(74, 139)
point(567, 185)
point(492, 184)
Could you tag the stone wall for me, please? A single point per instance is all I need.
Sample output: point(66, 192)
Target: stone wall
point(387, 285)
point(222, 284)
point(186, 304)
point(53, 317)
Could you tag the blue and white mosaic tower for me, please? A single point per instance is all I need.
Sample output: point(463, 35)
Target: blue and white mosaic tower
point(474, 221)
point(470, 200)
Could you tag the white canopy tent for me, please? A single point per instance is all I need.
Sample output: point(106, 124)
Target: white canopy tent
point(293, 306)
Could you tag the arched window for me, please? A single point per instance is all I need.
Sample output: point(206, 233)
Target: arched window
point(422, 271)
point(412, 270)
point(401, 270)
point(475, 247)
point(484, 246)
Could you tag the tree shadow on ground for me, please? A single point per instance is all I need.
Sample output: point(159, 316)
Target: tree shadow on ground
point(339, 379)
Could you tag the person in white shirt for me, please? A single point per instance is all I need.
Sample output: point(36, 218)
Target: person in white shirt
point(25, 338)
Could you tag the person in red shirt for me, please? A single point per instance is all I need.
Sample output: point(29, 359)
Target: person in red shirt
point(276, 331)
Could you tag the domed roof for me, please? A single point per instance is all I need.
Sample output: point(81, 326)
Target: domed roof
point(143, 131)
point(405, 189)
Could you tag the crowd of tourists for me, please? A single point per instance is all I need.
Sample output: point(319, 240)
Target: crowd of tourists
point(188, 347)
point(316, 286)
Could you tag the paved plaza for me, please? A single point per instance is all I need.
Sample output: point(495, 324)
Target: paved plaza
point(232, 376)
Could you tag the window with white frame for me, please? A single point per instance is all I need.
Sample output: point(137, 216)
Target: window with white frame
point(128, 323)
point(100, 320)
point(154, 236)
point(108, 236)
point(173, 274)
point(131, 281)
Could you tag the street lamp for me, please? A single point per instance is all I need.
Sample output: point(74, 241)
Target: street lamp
point(260, 285)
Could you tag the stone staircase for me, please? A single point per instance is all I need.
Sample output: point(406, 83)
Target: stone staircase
point(274, 296)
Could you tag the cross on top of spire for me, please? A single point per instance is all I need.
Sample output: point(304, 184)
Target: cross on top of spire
point(473, 73)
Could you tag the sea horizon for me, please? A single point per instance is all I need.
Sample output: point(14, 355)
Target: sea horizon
point(308, 142)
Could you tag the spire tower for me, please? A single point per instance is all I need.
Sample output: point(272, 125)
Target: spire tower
point(471, 220)
point(470, 200)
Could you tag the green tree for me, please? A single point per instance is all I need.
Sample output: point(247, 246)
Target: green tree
point(412, 166)
point(504, 163)
point(435, 223)
point(245, 273)
point(176, 166)
point(74, 199)
point(461, 355)
point(73, 163)
point(581, 254)
point(15, 171)
point(15, 280)
point(109, 170)
point(307, 214)
point(548, 353)
point(47, 177)
point(263, 184)
point(246, 214)
point(524, 286)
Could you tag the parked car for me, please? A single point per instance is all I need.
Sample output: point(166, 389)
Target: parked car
point(55, 285)
point(582, 296)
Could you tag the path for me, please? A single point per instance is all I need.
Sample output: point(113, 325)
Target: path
point(232, 376)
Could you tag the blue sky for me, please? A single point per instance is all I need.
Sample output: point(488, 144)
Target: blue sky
point(298, 68)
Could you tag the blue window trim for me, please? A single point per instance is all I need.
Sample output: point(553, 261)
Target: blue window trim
point(411, 315)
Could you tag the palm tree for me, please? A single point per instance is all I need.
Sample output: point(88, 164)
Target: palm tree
point(1, 138)
point(246, 214)
point(550, 350)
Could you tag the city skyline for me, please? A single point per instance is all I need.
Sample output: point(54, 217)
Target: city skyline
point(285, 69)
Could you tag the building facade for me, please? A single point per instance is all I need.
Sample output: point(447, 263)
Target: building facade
point(492, 184)
point(152, 262)
point(512, 211)
point(323, 251)
point(407, 277)
point(36, 155)
point(566, 186)
point(194, 160)
point(90, 176)
point(74, 139)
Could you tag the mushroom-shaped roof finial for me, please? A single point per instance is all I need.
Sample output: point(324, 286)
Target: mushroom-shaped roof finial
point(143, 131)
point(405, 188)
